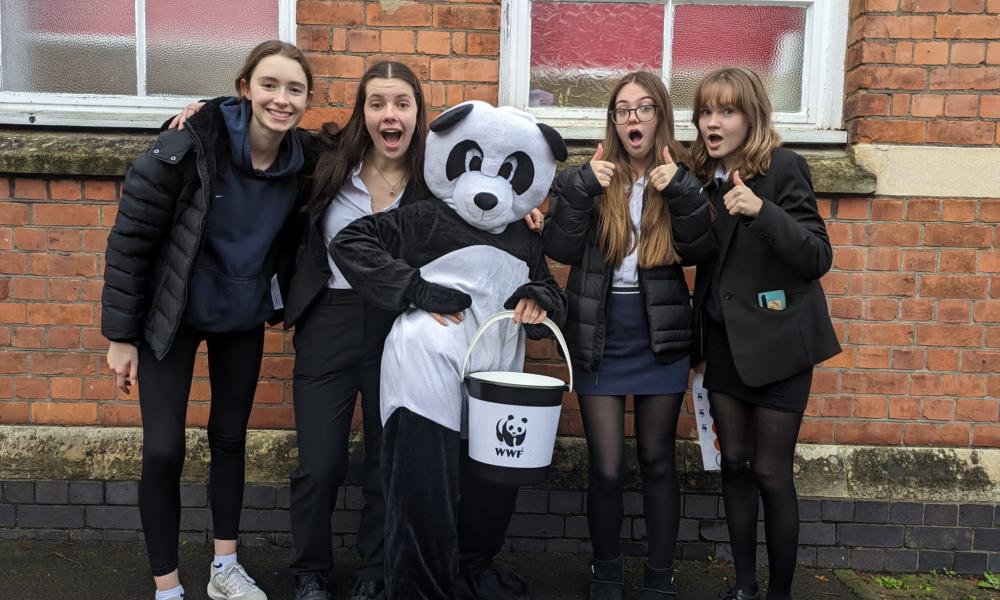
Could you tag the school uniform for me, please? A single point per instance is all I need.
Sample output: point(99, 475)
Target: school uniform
point(755, 353)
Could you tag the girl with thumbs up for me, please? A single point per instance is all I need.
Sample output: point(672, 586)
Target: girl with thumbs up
point(626, 222)
point(761, 314)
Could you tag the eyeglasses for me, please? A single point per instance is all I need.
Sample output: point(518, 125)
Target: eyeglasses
point(645, 112)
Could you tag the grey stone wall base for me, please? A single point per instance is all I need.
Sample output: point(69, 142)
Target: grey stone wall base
point(870, 535)
point(955, 475)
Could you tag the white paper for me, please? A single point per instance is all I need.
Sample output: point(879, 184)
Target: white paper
point(711, 458)
point(276, 293)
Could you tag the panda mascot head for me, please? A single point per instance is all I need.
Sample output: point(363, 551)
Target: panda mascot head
point(491, 165)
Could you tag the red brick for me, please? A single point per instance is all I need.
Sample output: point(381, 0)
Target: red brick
point(363, 40)
point(96, 189)
point(420, 65)
point(483, 44)
point(64, 290)
point(900, 105)
point(942, 359)
point(31, 387)
point(968, 26)
point(959, 210)
point(872, 432)
point(314, 39)
point(986, 312)
point(66, 388)
point(12, 313)
point(884, 259)
point(816, 432)
point(925, 434)
point(63, 363)
point(403, 15)
point(993, 53)
point(12, 263)
point(931, 5)
point(28, 337)
point(852, 208)
point(954, 311)
point(849, 259)
point(892, 78)
point(394, 40)
point(968, 6)
point(311, 12)
point(467, 17)
point(60, 314)
point(908, 359)
point(120, 415)
point(433, 42)
point(948, 335)
point(841, 234)
point(272, 417)
point(882, 284)
point(976, 409)
point(884, 209)
point(269, 392)
point(873, 358)
point(13, 413)
point(870, 407)
point(64, 214)
point(986, 436)
point(969, 386)
point(837, 406)
point(882, 234)
point(843, 360)
point(63, 337)
point(65, 189)
point(846, 308)
point(485, 92)
point(958, 132)
point(63, 240)
point(99, 388)
point(881, 5)
point(965, 78)
point(29, 239)
point(337, 65)
point(904, 408)
point(989, 107)
point(880, 334)
point(939, 409)
point(923, 210)
point(993, 6)
point(961, 105)
point(968, 53)
point(930, 53)
point(926, 105)
point(881, 309)
point(29, 189)
point(27, 289)
point(63, 413)
point(458, 42)
point(958, 261)
point(874, 382)
point(447, 69)
point(875, 131)
point(953, 286)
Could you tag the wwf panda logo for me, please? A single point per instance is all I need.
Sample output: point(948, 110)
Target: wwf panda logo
point(511, 431)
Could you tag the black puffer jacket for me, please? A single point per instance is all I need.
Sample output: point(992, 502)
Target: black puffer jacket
point(570, 237)
point(160, 227)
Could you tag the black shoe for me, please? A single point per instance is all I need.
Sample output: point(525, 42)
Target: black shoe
point(368, 589)
point(735, 593)
point(311, 587)
point(658, 584)
point(607, 581)
point(494, 582)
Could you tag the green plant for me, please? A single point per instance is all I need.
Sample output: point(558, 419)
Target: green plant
point(888, 582)
point(926, 587)
point(991, 581)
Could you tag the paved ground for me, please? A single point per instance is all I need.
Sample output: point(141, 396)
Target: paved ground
point(118, 571)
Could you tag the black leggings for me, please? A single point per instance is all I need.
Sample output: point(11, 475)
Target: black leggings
point(233, 365)
point(656, 432)
point(758, 447)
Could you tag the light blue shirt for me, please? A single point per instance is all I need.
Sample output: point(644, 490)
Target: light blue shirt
point(627, 274)
point(352, 202)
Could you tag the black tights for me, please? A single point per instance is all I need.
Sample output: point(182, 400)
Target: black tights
point(656, 431)
point(758, 447)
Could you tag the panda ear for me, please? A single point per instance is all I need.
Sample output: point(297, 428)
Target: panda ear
point(450, 118)
point(554, 140)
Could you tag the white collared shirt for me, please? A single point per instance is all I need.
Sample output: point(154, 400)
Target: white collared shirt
point(627, 274)
point(352, 202)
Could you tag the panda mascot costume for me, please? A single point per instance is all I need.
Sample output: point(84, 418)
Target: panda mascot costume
point(469, 254)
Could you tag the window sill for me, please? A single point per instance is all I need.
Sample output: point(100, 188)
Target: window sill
point(72, 153)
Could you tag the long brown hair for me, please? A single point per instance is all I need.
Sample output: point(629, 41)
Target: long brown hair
point(742, 89)
point(272, 48)
point(345, 147)
point(614, 234)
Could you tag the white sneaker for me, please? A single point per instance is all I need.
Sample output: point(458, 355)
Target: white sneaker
point(233, 583)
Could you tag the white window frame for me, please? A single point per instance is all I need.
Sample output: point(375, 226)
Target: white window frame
point(822, 76)
point(118, 111)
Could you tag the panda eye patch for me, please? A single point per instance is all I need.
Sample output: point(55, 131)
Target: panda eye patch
point(519, 171)
point(465, 156)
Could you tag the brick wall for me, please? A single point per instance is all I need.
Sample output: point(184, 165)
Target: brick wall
point(924, 72)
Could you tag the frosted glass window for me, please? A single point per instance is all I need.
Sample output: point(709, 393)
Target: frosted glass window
point(192, 47)
point(68, 46)
point(200, 56)
point(707, 37)
point(580, 49)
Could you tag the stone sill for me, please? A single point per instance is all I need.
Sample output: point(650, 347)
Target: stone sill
point(90, 154)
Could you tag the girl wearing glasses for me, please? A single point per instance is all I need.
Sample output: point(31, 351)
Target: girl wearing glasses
point(626, 222)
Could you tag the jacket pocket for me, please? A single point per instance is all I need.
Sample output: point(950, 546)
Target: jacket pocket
point(219, 302)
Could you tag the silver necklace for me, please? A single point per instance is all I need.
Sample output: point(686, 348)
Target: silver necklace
point(393, 189)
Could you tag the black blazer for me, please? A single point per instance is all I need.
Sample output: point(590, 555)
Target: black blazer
point(312, 270)
point(785, 247)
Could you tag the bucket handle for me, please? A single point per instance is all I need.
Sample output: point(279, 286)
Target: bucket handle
point(509, 314)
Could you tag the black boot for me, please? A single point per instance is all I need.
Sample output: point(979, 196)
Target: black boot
point(734, 593)
point(658, 584)
point(607, 581)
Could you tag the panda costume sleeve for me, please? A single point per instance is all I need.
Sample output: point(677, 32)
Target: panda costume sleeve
point(470, 252)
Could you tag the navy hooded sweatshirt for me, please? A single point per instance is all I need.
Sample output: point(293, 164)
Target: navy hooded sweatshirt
point(230, 287)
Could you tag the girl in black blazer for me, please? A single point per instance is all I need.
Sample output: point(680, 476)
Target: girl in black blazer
point(761, 316)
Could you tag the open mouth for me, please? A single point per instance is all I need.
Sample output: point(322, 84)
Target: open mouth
point(392, 137)
point(713, 141)
point(278, 114)
point(635, 137)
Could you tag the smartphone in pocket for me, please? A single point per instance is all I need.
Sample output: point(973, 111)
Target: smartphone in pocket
point(773, 300)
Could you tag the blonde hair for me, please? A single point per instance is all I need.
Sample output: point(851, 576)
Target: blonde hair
point(614, 232)
point(742, 89)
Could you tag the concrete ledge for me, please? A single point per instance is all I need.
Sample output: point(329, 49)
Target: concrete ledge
point(825, 471)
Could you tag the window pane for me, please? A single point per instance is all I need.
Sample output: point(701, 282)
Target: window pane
point(68, 46)
point(200, 56)
point(580, 49)
point(709, 37)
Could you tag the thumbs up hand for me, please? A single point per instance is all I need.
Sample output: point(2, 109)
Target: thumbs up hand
point(660, 176)
point(741, 200)
point(603, 170)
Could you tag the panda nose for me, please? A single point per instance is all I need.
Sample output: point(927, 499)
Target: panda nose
point(485, 200)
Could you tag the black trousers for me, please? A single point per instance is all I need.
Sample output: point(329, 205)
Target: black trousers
point(233, 366)
point(338, 353)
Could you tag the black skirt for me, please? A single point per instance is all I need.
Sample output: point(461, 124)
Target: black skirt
point(790, 395)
